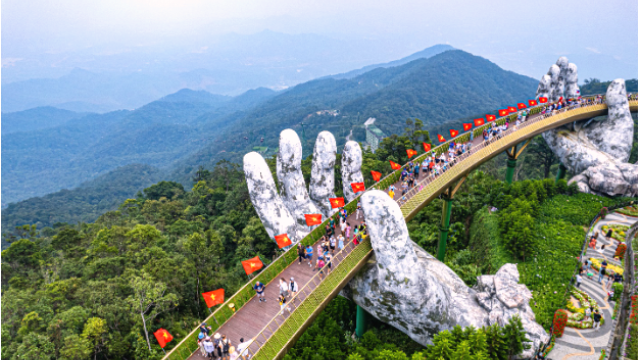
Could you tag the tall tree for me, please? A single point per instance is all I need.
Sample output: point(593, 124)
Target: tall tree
point(149, 299)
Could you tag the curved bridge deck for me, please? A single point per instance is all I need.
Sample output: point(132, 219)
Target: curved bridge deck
point(274, 333)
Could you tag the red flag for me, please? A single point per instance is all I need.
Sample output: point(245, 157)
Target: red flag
point(503, 112)
point(542, 100)
point(357, 187)
point(478, 122)
point(282, 240)
point(561, 98)
point(395, 166)
point(522, 106)
point(252, 264)
point(337, 202)
point(375, 175)
point(511, 109)
point(441, 138)
point(411, 152)
point(213, 298)
point(533, 103)
point(163, 337)
point(427, 147)
point(313, 219)
point(490, 117)
point(467, 127)
point(453, 133)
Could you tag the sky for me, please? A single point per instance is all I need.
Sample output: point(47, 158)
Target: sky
point(522, 36)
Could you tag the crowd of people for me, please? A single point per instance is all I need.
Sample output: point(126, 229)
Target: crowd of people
point(219, 347)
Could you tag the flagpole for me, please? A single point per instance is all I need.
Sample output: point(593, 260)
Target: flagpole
point(164, 351)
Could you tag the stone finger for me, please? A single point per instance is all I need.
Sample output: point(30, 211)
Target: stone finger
point(322, 184)
point(351, 168)
point(292, 186)
point(262, 190)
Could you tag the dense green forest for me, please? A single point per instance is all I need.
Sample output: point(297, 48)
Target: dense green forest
point(69, 290)
point(84, 203)
point(39, 161)
point(594, 86)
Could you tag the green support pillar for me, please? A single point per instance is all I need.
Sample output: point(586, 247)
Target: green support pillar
point(361, 321)
point(511, 167)
point(444, 228)
point(562, 171)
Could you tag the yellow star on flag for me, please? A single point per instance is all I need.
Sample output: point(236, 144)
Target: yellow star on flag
point(213, 297)
point(164, 334)
point(253, 265)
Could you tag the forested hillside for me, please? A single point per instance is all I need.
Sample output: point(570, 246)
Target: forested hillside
point(444, 87)
point(43, 161)
point(84, 203)
point(36, 119)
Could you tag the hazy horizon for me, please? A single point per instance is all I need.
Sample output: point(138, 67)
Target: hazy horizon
point(228, 48)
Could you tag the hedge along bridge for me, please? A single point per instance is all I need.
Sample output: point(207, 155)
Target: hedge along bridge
point(279, 332)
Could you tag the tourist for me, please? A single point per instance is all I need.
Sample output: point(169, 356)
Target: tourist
point(259, 288)
point(309, 254)
point(347, 232)
point(343, 226)
point(578, 280)
point(233, 354)
point(402, 200)
point(405, 187)
point(332, 244)
point(282, 300)
point(200, 341)
point(585, 267)
point(284, 287)
point(603, 271)
point(391, 193)
point(601, 250)
point(243, 349)
point(416, 171)
point(209, 348)
point(340, 242)
point(327, 230)
point(587, 313)
point(610, 279)
point(301, 253)
point(332, 224)
point(293, 288)
point(327, 258)
point(356, 241)
point(319, 266)
point(609, 233)
point(320, 252)
point(223, 350)
point(358, 211)
point(596, 319)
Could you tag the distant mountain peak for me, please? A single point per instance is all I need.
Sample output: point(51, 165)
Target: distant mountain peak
point(422, 54)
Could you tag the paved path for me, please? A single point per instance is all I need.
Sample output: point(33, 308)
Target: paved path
point(587, 344)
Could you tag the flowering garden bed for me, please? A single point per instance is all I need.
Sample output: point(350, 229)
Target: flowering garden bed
point(619, 231)
point(576, 315)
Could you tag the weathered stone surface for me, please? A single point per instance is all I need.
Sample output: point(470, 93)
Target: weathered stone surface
point(351, 164)
point(408, 288)
point(322, 172)
point(262, 190)
point(292, 187)
point(571, 88)
point(557, 88)
point(544, 87)
point(596, 150)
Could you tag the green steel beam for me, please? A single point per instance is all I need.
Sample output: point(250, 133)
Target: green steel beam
point(562, 171)
point(511, 167)
point(362, 321)
point(444, 228)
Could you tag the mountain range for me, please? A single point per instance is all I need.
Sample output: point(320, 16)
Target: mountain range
point(182, 131)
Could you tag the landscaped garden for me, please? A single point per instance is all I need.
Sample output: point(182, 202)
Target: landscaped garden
point(618, 231)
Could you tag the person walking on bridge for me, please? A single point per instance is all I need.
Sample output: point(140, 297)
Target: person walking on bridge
point(301, 253)
point(309, 254)
point(259, 288)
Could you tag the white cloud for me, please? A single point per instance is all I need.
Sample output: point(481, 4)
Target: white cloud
point(594, 50)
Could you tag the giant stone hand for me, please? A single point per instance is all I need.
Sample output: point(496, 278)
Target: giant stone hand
point(408, 288)
point(403, 285)
point(595, 150)
point(284, 213)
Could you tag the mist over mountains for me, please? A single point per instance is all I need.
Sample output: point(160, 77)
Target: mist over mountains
point(113, 77)
point(177, 133)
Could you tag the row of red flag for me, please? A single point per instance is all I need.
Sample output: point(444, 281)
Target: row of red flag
point(489, 118)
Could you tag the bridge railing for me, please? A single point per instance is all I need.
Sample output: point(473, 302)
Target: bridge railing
point(185, 348)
